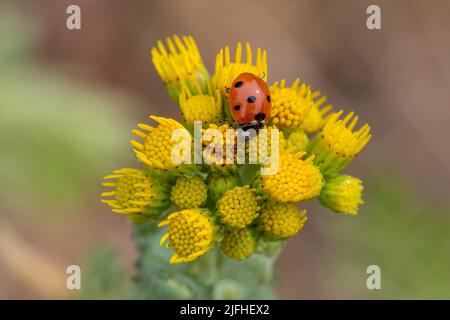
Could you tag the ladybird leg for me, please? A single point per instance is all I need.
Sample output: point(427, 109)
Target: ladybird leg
point(246, 134)
point(249, 126)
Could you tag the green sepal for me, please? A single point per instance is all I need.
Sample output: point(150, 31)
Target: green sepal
point(192, 170)
point(296, 137)
point(328, 163)
point(200, 77)
point(269, 246)
point(218, 184)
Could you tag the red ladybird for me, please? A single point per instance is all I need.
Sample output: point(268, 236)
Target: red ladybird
point(249, 100)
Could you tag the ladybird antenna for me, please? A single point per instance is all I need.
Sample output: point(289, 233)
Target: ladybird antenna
point(263, 74)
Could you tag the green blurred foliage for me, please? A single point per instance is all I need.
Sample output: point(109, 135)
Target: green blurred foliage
point(17, 34)
point(407, 236)
point(58, 133)
point(104, 276)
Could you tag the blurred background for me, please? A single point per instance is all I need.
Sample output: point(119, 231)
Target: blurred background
point(69, 98)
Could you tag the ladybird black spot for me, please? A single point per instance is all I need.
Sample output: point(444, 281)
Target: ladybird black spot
point(238, 84)
point(260, 116)
point(268, 98)
point(237, 107)
point(251, 99)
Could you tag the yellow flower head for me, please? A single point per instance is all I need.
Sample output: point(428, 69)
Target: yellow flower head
point(342, 193)
point(191, 234)
point(157, 146)
point(226, 70)
point(189, 192)
point(290, 105)
point(134, 192)
point(201, 107)
point(181, 63)
point(238, 207)
point(282, 139)
point(266, 144)
point(282, 220)
point(238, 244)
point(296, 179)
point(316, 117)
point(337, 144)
point(222, 147)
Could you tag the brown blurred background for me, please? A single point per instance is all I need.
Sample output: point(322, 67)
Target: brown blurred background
point(70, 99)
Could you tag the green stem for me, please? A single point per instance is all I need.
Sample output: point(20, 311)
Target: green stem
point(212, 276)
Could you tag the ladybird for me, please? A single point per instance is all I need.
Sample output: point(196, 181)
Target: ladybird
point(249, 99)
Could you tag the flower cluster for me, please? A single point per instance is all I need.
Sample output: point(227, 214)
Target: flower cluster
point(234, 206)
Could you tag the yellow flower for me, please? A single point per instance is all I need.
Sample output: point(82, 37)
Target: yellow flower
point(223, 159)
point(282, 140)
point(290, 105)
point(134, 192)
point(238, 244)
point(316, 117)
point(181, 63)
point(191, 234)
point(201, 107)
point(226, 70)
point(223, 153)
point(337, 144)
point(189, 192)
point(342, 193)
point(238, 207)
point(282, 220)
point(157, 146)
point(266, 144)
point(296, 179)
